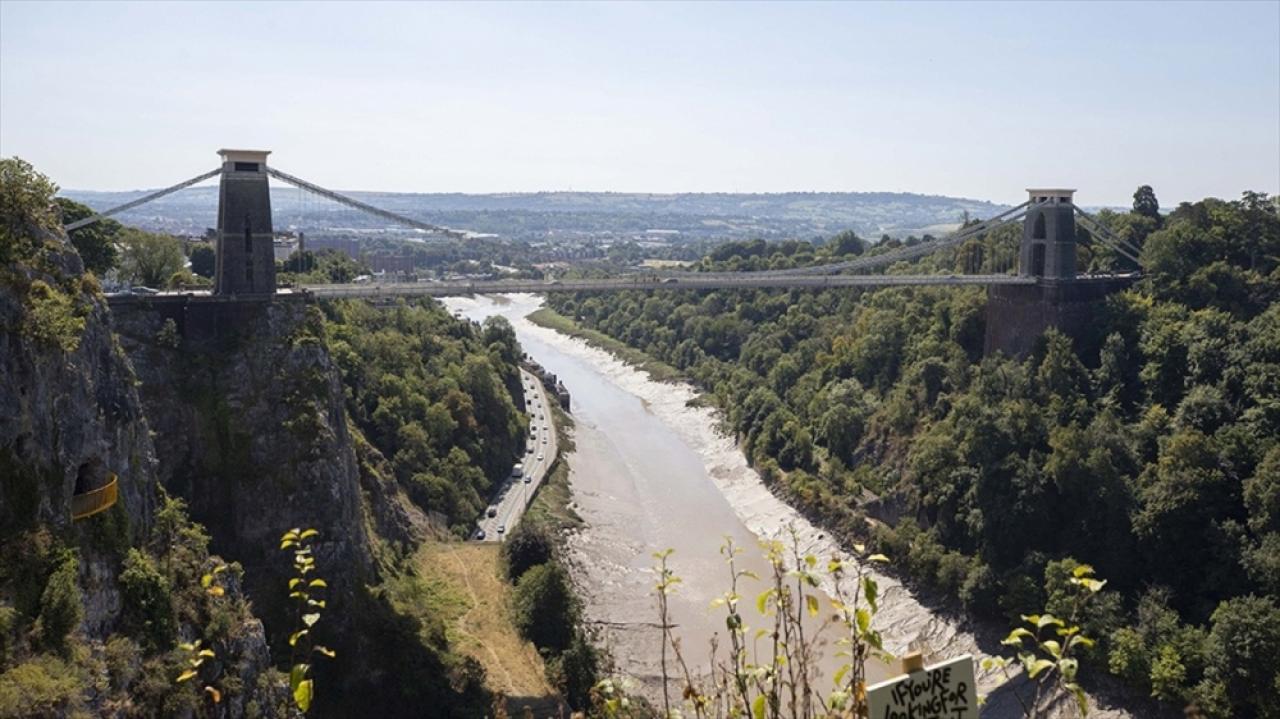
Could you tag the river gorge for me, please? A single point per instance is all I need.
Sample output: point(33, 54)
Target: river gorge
point(650, 471)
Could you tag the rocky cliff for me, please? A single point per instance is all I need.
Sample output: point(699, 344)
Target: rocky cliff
point(251, 429)
point(73, 640)
point(69, 413)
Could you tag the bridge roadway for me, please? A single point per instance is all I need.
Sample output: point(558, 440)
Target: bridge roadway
point(689, 281)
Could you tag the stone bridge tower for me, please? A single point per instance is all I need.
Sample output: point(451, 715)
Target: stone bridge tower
point(1018, 315)
point(1049, 236)
point(246, 254)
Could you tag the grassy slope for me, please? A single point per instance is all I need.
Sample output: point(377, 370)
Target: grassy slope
point(657, 370)
point(478, 618)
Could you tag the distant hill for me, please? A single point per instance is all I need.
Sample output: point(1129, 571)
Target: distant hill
point(570, 215)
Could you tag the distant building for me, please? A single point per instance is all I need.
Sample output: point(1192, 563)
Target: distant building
point(346, 245)
point(394, 264)
point(284, 247)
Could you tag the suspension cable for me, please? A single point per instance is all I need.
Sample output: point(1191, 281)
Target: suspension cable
point(907, 253)
point(1101, 229)
point(141, 200)
point(357, 204)
point(1109, 239)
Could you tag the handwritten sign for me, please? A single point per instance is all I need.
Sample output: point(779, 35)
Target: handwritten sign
point(942, 691)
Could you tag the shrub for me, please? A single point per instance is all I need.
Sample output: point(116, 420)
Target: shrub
point(979, 591)
point(155, 693)
point(545, 608)
point(148, 601)
point(575, 671)
point(527, 546)
point(123, 658)
point(61, 604)
point(53, 317)
point(8, 618)
point(43, 686)
point(26, 199)
point(167, 335)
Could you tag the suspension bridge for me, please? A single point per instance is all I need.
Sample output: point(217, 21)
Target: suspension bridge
point(1046, 253)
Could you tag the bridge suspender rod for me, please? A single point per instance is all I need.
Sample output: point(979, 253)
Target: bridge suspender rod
point(1107, 234)
point(1108, 238)
point(907, 253)
point(362, 206)
point(141, 200)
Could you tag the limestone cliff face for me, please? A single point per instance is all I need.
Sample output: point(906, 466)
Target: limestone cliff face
point(68, 414)
point(251, 427)
point(70, 418)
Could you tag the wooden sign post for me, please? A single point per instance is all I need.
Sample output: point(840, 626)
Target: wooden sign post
point(942, 691)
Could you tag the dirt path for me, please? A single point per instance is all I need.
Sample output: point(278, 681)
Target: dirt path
point(463, 625)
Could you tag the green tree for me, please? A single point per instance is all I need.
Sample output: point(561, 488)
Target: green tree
point(546, 610)
point(325, 265)
point(846, 243)
point(26, 200)
point(1244, 653)
point(840, 429)
point(96, 243)
point(1145, 203)
point(204, 259)
point(147, 599)
point(526, 547)
point(148, 258)
point(61, 604)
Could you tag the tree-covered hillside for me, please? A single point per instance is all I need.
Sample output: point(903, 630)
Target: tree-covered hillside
point(436, 396)
point(1149, 449)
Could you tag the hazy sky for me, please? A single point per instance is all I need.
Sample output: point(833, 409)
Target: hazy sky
point(949, 98)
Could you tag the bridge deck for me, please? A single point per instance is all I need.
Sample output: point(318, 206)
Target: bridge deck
point(691, 282)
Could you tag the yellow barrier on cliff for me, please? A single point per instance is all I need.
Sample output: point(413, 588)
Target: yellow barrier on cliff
point(94, 501)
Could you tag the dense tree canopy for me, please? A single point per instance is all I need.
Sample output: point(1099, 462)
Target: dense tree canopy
point(436, 396)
